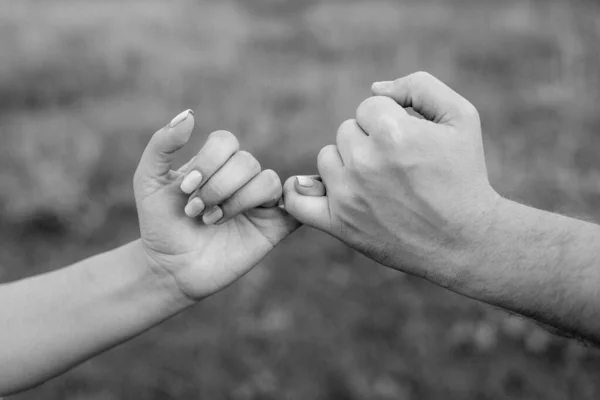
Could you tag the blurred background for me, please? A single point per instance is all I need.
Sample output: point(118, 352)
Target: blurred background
point(84, 84)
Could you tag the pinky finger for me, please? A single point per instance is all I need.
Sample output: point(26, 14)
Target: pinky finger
point(264, 190)
point(310, 186)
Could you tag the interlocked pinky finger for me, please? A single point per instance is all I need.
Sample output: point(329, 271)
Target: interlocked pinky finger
point(264, 190)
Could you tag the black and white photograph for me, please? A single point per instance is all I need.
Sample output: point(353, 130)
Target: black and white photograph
point(299, 199)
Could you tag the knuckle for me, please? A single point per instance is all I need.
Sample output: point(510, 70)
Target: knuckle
point(323, 152)
point(365, 104)
point(322, 159)
point(221, 135)
point(277, 193)
point(211, 192)
point(360, 162)
point(272, 184)
point(272, 179)
point(420, 77)
point(469, 110)
point(368, 104)
point(324, 155)
point(235, 202)
point(218, 148)
point(373, 106)
point(224, 138)
point(416, 81)
point(365, 161)
point(401, 132)
point(249, 161)
point(406, 142)
point(345, 127)
point(274, 190)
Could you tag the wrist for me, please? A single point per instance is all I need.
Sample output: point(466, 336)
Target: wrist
point(155, 279)
point(516, 249)
point(539, 264)
point(71, 314)
point(478, 242)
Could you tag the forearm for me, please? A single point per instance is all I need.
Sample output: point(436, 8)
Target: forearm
point(545, 266)
point(52, 322)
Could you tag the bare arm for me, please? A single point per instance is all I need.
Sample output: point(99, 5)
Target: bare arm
point(202, 227)
point(53, 321)
point(414, 195)
point(543, 265)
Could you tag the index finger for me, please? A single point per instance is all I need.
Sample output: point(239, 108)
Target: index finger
point(218, 149)
point(370, 112)
point(427, 95)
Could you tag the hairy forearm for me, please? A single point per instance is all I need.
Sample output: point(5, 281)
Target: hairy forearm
point(545, 266)
point(51, 322)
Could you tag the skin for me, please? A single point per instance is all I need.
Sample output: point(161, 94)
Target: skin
point(203, 259)
point(413, 194)
point(55, 321)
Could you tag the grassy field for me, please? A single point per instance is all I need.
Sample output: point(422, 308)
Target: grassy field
point(83, 85)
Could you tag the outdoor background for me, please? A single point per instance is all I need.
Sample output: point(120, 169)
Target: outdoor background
point(84, 84)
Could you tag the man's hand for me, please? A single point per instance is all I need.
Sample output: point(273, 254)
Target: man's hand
point(240, 220)
point(411, 193)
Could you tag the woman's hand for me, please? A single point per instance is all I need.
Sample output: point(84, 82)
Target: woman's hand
point(233, 219)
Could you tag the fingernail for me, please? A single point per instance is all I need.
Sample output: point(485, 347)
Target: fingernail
point(180, 118)
point(194, 207)
point(382, 86)
point(305, 181)
point(213, 215)
point(191, 182)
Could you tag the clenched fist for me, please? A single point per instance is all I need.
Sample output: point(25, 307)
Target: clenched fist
point(410, 193)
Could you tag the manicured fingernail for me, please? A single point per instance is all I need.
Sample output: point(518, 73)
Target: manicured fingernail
point(191, 182)
point(382, 86)
point(305, 181)
point(213, 215)
point(180, 118)
point(194, 207)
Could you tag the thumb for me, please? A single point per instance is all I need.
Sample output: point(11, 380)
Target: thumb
point(308, 204)
point(426, 95)
point(310, 186)
point(160, 151)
